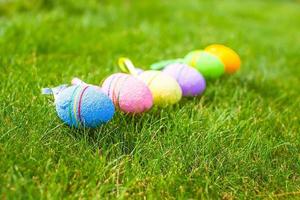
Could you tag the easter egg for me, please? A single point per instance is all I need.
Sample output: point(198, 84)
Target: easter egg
point(139, 71)
point(128, 93)
point(209, 65)
point(164, 88)
point(190, 80)
point(229, 57)
point(83, 105)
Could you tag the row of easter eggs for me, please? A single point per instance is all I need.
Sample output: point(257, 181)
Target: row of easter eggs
point(88, 105)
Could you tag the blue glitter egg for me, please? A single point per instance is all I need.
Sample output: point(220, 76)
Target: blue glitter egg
point(83, 105)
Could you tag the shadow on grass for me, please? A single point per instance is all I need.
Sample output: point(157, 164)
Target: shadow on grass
point(126, 130)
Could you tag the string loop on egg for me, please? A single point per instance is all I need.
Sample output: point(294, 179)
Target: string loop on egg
point(55, 90)
point(162, 64)
point(127, 66)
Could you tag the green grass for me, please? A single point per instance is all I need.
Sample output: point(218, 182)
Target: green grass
point(241, 139)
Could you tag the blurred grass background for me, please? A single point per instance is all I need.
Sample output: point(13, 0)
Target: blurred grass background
point(239, 140)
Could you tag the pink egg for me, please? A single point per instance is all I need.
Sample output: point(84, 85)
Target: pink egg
point(128, 93)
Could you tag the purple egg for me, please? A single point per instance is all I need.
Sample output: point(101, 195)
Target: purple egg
point(192, 83)
point(139, 70)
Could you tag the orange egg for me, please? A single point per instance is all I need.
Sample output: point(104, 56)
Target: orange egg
point(229, 57)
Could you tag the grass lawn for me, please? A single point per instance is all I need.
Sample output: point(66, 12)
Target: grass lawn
point(241, 139)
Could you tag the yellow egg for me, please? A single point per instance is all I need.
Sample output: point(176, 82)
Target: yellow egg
point(164, 88)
